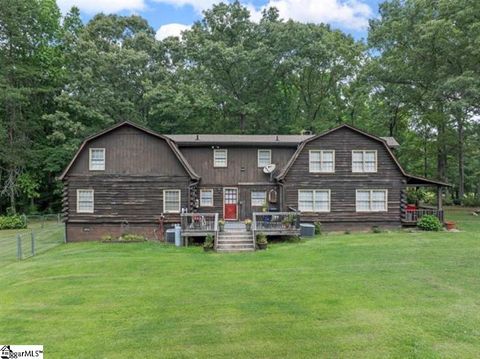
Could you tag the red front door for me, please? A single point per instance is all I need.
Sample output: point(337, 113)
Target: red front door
point(230, 201)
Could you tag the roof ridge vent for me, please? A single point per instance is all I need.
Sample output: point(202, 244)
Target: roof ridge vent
point(197, 138)
point(277, 139)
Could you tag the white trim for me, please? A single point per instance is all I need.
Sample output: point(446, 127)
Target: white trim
point(90, 159)
point(315, 190)
point(179, 200)
point(93, 200)
point(363, 161)
point(206, 190)
point(321, 161)
point(223, 205)
point(370, 200)
point(226, 157)
point(258, 156)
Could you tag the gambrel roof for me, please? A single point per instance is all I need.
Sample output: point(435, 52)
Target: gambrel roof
point(170, 143)
point(383, 140)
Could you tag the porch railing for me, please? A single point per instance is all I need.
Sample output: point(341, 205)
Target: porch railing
point(413, 215)
point(199, 222)
point(275, 222)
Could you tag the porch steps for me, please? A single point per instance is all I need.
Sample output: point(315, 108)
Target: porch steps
point(235, 241)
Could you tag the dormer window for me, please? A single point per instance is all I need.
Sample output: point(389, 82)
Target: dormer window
point(97, 159)
point(364, 161)
point(264, 158)
point(220, 158)
point(321, 161)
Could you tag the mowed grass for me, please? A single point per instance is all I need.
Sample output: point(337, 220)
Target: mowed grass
point(363, 295)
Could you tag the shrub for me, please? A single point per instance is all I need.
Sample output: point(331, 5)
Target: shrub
point(208, 242)
point(262, 238)
point(376, 229)
point(318, 227)
point(470, 200)
point(13, 222)
point(107, 238)
point(429, 223)
point(131, 237)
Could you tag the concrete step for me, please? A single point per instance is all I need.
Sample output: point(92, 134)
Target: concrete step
point(234, 242)
point(235, 237)
point(235, 250)
point(236, 245)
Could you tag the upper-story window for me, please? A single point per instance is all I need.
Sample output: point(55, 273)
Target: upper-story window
point(264, 157)
point(220, 158)
point(321, 161)
point(171, 201)
point(364, 161)
point(97, 159)
point(84, 200)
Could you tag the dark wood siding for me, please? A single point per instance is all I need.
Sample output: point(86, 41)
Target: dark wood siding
point(138, 168)
point(242, 164)
point(129, 151)
point(245, 208)
point(343, 183)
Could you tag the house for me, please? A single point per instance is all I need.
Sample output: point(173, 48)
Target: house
point(127, 177)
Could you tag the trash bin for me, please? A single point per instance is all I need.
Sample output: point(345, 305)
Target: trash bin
point(170, 235)
point(307, 230)
point(178, 237)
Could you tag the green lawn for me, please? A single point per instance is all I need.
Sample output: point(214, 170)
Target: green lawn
point(363, 295)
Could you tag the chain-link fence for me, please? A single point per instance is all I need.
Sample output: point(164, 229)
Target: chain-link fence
point(43, 232)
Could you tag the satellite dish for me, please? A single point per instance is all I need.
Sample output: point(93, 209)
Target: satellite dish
point(269, 168)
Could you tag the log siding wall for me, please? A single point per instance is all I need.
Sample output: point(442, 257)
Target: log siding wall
point(138, 168)
point(343, 183)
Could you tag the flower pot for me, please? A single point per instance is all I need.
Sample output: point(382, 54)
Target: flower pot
point(262, 246)
point(221, 227)
point(450, 225)
point(207, 249)
point(249, 227)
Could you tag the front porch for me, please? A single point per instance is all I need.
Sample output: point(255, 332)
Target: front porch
point(412, 212)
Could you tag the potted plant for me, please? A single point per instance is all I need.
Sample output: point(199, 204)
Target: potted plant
point(208, 244)
point(221, 225)
point(262, 241)
point(286, 222)
point(248, 224)
point(264, 207)
point(450, 225)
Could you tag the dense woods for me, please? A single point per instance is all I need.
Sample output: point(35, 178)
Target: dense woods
point(416, 77)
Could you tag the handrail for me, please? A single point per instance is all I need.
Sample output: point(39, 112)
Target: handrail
point(198, 222)
point(413, 215)
point(275, 221)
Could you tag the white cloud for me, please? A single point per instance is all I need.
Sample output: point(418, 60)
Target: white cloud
point(351, 14)
point(198, 5)
point(170, 30)
point(108, 6)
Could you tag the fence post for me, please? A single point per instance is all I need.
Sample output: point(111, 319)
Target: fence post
point(19, 247)
point(33, 243)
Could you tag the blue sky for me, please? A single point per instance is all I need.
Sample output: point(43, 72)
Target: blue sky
point(169, 17)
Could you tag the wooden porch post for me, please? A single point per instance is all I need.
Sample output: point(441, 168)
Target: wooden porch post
point(439, 204)
point(439, 198)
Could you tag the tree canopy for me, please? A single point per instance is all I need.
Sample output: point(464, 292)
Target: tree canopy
point(417, 78)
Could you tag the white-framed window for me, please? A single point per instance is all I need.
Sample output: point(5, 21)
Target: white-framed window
point(364, 161)
point(171, 201)
point(85, 202)
point(314, 200)
point(264, 158)
point(321, 161)
point(259, 198)
point(220, 158)
point(97, 159)
point(206, 198)
point(371, 200)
